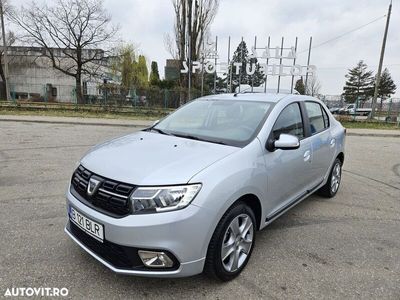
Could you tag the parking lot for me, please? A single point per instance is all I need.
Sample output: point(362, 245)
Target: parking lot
point(345, 247)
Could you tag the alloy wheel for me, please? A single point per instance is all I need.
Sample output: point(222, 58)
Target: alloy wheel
point(237, 242)
point(336, 176)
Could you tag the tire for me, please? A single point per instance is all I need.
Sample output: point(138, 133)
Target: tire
point(235, 233)
point(331, 187)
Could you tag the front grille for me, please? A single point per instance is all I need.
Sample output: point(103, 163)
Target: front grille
point(121, 257)
point(111, 197)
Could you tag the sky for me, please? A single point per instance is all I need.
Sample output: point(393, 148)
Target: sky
point(146, 22)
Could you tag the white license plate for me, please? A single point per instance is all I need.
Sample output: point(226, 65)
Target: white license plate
point(91, 227)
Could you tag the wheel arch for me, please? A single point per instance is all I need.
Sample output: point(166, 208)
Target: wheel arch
point(340, 156)
point(255, 204)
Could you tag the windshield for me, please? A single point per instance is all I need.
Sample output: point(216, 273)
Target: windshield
point(220, 121)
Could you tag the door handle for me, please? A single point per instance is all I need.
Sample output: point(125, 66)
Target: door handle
point(333, 142)
point(307, 155)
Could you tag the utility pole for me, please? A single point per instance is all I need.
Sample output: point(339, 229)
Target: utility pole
point(189, 32)
point(190, 69)
point(378, 75)
point(5, 58)
point(215, 64)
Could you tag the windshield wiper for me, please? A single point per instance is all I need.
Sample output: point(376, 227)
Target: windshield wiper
point(158, 130)
point(192, 137)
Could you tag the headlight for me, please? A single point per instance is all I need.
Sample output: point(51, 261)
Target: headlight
point(163, 198)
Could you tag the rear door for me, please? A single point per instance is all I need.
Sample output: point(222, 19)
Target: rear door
point(322, 143)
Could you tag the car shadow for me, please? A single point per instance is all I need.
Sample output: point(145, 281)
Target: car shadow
point(201, 285)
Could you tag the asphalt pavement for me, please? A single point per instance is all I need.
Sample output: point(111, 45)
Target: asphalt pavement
point(345, 247)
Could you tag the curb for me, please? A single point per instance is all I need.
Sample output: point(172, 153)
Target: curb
point(373, 134)
point(133, 125)
point(76, 123)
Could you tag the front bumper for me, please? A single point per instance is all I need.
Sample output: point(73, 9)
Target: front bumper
point(183, 233)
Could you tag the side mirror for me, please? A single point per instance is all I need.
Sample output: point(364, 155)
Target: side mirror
point(285, 142)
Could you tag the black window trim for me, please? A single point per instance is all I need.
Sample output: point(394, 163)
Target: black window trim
point(308, 120)
point(327, 116)
point(303, 120)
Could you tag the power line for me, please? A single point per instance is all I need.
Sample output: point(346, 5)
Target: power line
point(346, 67)
point(344, 34)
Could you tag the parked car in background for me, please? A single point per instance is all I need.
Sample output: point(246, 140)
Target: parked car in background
point(188, 194)
point(351, 109)
point(335, 110)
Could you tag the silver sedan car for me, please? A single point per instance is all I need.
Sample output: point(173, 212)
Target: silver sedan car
point(188, 194)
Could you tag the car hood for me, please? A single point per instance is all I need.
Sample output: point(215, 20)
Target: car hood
point(147, 158)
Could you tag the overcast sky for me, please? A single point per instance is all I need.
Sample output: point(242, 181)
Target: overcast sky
point(145, 23)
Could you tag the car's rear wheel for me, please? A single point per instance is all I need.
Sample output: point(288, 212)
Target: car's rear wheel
point(331, 187)
point(232, 243)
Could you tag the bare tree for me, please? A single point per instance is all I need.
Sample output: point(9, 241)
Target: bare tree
point(7, 40)
point(192, 22)
point(10, 40)
point(71, 33)
point(313, 87)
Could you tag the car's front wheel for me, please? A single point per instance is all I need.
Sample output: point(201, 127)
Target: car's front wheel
point(232, 243)
point(332, 185)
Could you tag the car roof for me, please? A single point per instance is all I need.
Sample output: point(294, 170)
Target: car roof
point(265, 97)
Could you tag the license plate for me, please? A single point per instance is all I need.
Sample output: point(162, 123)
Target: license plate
point(89, 226)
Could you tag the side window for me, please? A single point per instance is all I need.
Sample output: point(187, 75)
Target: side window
point(316, 119)
point(289, 122)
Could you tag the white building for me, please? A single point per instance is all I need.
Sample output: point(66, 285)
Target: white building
point(32, 76)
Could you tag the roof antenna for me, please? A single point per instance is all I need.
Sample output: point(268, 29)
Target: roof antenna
point(241, 92)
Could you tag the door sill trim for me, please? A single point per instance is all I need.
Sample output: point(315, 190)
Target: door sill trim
point(293, 203)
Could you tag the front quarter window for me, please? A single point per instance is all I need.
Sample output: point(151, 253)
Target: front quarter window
point(289, 122)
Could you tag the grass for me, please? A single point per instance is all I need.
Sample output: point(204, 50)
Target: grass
point(80, 114)
point(145, 113)
point(139, 113)
point(369, 125)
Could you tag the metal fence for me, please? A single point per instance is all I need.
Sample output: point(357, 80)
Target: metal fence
point(115, 98)
point(389, 107)
point(106, 95)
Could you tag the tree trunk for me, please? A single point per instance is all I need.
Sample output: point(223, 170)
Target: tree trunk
point(3, 93)
point(79, 94)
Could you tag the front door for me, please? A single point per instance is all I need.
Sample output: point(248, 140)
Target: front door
point(288, 171)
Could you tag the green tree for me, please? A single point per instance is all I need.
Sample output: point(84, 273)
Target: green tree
point(387, 86)
point(167, 84)
point(257, 78)
point(154, 74)
point(209, 83)
point(300, 87)
point(125, 64)
point(359, 83)
point(142, 72)
point(239, 73)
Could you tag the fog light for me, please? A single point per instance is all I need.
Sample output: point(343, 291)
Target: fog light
point(154, 259)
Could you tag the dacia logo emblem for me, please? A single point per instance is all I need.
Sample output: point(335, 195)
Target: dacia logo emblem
point(93, 186)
